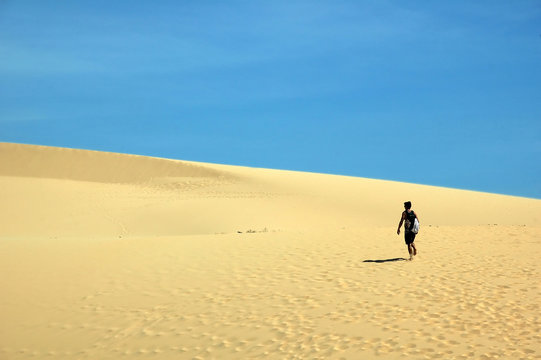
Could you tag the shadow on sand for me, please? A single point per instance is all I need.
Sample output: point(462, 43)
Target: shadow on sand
point(386, 260)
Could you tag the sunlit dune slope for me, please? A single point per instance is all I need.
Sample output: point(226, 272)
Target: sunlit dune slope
point(48, 191)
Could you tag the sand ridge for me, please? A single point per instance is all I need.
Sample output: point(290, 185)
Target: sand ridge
point(225, 262)
point(134, 195)
point(96, 166)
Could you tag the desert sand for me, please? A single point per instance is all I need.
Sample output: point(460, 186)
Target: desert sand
point(110, 256)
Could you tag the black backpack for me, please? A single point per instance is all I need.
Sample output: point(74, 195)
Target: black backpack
point(410, 217)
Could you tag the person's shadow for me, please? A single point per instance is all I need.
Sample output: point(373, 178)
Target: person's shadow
point(386, 260)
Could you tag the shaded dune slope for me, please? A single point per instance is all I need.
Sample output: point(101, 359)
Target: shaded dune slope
point(95, 166)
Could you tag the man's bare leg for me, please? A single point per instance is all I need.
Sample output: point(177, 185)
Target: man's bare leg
point(410, 251)
point(414, 248)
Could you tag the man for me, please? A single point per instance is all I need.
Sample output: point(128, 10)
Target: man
point(408, 216)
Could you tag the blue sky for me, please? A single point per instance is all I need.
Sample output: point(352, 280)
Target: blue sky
point(444, 93)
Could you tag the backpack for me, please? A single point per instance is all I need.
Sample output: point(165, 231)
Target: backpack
point(414, 223)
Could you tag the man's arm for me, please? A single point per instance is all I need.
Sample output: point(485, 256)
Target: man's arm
point(401, 221)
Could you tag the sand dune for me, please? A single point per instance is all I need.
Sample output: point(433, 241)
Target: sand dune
point(84, 165)
point(109, 256)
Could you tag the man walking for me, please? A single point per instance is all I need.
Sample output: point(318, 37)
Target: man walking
point(408, 216)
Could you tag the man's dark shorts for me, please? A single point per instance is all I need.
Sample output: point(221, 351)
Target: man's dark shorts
point(409, 237)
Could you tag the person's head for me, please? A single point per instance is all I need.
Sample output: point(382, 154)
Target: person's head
point(407, 205)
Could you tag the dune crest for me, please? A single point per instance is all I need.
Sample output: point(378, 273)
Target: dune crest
point(107, 194)
point(95, 166)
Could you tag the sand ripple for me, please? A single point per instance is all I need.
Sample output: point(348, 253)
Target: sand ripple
point(281, 295)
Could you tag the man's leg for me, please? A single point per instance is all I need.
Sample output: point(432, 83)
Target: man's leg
point(410, 250)
point(414, 248)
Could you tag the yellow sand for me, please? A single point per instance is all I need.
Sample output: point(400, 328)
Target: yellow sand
point(106, 256)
